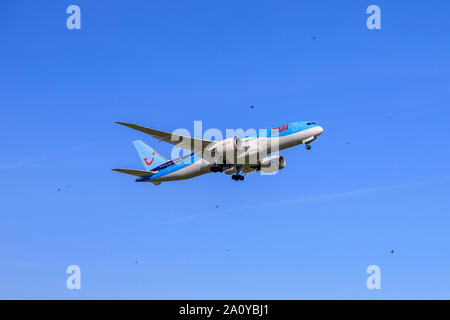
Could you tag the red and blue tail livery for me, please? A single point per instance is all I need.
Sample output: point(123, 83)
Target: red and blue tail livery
point(149, 157)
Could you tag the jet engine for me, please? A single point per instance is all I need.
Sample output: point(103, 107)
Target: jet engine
point(227, 148)
point(272, 163)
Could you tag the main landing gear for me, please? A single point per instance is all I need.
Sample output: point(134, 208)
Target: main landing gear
point(235, 177)
point(308, 147)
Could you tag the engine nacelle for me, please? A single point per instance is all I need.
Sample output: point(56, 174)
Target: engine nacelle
point(227, 148)
point(272, 163)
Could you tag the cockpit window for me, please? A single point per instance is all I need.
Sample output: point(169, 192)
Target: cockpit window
point(310, 123)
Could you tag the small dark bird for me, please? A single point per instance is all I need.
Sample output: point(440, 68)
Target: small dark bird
point(252, 107)
point(59, 189)
point(348, 142)
point(314, 38)
point(217, 207)
point(392, 251)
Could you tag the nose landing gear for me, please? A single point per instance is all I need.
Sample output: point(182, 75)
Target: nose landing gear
point(308, 147)
point(237, 177)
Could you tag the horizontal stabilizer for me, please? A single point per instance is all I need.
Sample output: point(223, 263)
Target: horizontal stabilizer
point(134, 172)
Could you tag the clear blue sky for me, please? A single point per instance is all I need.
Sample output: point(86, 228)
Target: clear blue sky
point(377, 180)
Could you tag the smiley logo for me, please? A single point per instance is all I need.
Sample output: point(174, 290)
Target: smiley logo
point(149, 163)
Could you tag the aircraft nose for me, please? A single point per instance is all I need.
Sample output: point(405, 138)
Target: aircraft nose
point(319, 130)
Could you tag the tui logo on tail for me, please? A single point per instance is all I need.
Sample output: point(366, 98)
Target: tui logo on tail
point(149, 163)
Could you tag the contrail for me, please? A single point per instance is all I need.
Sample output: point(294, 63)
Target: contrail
point(321, 197)
point(43, 155)
point(20, 162)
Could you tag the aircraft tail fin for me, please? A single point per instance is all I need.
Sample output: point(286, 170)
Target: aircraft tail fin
point(149, 157)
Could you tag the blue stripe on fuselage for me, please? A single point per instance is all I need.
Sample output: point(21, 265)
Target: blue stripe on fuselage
point(172, 166)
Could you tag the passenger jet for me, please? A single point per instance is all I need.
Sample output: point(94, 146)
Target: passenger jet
point(233, 156)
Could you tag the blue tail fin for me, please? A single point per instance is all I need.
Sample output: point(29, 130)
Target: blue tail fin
point(149, 157)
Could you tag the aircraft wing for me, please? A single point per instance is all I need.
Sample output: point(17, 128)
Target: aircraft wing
point(249, 168)
point(138, 173)
point(185, 142)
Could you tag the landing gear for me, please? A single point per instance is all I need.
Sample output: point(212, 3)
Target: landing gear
point(237, 177)
point(216, 169)
point(308, 147)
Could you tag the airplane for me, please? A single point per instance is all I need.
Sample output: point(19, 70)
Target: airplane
point(231, 156)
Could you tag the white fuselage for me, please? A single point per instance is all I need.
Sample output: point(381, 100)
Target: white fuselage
point(255, 148)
